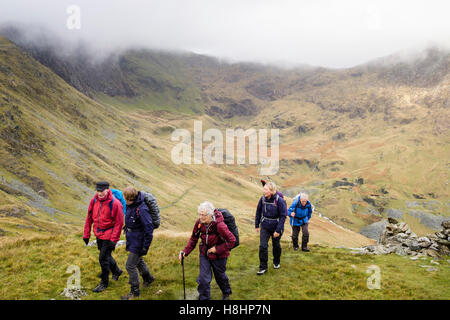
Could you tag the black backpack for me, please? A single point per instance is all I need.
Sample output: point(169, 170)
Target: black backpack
point(152, 205)
point(231, 224)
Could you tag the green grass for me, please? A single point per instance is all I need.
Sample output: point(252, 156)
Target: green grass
point(36, 269)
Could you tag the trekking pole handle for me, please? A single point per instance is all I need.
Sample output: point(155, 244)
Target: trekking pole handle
point(182, 258)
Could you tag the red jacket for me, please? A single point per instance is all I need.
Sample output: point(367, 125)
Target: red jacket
point(215, 234)
point(107, 225)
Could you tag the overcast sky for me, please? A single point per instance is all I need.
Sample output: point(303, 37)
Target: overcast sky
point(316, 32)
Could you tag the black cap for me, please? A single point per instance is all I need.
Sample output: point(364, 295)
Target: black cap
point(263, 182)
point(102, 185)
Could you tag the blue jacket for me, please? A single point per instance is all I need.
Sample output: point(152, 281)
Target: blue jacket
point(271, 213)
point(302, 214)
point(138, 226)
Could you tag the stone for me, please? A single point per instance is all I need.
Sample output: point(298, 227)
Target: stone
point(414, 246)
point(440, 235)
point(446, 224)
point(392, 221)
point(432, 253)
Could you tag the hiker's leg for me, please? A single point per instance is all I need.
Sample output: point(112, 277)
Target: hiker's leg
point(103, 258)
point(131, 266)
point(276, 250)
point(219, 268)
point(264, 236)
point(144, 271)
point(113, 264)
point(305, 236)
point(204, 279)
point(142, 266)
point(295, 232)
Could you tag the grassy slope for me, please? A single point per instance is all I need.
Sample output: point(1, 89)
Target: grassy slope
point(325, 273)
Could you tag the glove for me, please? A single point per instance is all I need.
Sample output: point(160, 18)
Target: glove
point(143, 252)
point(86, 240)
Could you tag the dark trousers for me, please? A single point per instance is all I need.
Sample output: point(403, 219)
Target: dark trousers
point(107, 262)
point(305, 235)
point(134, 264)
point(218, 267)
point(264, 236)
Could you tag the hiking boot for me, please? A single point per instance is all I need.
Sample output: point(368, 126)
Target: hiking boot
point(276, 266)
point(117, 275)
point(226, 296)
point(101, 287)
point(148, 279)
point(134, 293)
point(295, 248)
point(305, 240)
point(261, 272)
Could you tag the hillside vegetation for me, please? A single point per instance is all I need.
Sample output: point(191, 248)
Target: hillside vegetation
point(365, 143)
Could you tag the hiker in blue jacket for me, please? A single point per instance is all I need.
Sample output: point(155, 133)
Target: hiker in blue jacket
point(139, 235)
point(269, 222)
point(299, 214)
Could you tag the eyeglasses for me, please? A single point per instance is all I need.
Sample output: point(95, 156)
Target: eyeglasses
point(202, 215)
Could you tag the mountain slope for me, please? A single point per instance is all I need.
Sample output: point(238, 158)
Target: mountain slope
point(56, 143)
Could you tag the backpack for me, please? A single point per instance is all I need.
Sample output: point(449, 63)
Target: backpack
point(119, 196)
point(152, 205)
point(231, 224)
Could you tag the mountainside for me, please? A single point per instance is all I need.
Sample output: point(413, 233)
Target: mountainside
point(365, 142)
point(56, 142)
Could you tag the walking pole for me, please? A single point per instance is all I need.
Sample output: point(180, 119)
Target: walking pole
point(184, 285)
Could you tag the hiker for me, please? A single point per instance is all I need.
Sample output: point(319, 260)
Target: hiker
point(299, 214)
point(139, 234)
point(106, 214)
point(269, 222)
point(216, 243)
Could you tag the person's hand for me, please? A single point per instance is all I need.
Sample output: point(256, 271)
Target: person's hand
point(86, 240)
point(212, 250)
point(143, 252)
point(181, 255)
point(293, 214)
point(257, 230)
point(276, 234)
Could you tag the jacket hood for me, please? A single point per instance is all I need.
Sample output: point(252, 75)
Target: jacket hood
point(139, 200)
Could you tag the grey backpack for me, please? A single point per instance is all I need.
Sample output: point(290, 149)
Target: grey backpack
point(153, 209)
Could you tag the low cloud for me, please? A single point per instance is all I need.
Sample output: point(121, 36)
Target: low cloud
point(324, 32)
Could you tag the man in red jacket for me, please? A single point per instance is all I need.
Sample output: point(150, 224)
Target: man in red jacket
point(106, 213)
point(217, 241)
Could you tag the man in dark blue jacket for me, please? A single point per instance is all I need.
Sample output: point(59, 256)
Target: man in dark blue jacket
point(269, 222)
point(300, 213)
point(139, 235)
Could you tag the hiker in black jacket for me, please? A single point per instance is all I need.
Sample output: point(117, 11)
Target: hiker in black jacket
point(269, 222)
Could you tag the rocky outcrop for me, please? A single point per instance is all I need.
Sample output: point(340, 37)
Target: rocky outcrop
point(398, 238)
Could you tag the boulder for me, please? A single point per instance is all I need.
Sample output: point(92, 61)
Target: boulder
point(446, 224)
